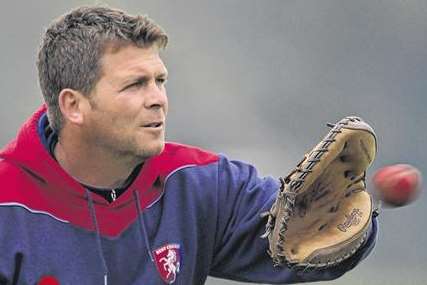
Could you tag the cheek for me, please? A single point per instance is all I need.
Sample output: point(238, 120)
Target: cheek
point(166, 108)
point(130, 106)
point(166, 105)
point(111, 121)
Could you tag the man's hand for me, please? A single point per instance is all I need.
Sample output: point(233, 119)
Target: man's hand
point(322, 213)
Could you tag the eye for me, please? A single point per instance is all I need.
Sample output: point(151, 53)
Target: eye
point(136, 84)
point(161, 81)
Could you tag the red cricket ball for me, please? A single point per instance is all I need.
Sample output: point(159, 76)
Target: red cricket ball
point(397, 185)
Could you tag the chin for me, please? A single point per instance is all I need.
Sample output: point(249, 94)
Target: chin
point(160, 148)
point(153, 149)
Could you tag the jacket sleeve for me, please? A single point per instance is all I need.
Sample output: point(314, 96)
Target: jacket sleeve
point(240, 254)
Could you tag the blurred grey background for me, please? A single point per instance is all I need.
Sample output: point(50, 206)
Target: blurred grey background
point(258, 80)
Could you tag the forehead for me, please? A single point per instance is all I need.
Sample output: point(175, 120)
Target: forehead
point(130, 60)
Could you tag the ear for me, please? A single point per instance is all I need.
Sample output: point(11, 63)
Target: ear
point(71, 103)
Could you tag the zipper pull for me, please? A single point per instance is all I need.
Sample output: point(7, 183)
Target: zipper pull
point(113, 195)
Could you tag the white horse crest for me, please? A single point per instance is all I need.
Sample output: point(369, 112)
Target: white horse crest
point(168, 262)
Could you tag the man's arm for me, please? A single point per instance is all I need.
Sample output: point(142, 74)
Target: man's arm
point(240, 253)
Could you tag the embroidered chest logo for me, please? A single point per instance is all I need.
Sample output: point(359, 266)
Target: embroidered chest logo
point(168, 261)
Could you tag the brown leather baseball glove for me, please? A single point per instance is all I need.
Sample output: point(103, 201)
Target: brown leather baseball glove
point(322, 213)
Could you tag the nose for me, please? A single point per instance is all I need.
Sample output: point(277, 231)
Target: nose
point(156, 97)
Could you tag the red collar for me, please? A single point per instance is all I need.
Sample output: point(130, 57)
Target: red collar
point(37, 182)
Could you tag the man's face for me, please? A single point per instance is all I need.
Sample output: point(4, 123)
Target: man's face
point(128, 106)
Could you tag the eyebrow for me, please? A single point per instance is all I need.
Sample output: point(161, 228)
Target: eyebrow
point(134, 78)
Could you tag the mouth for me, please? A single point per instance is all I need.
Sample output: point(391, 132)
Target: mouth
point(153, 125)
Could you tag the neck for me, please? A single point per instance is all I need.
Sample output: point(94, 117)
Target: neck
point(93, 166)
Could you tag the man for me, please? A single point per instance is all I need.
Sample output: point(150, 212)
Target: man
point(91, 192)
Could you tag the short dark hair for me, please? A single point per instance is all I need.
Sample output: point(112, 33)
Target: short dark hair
point(73, 45)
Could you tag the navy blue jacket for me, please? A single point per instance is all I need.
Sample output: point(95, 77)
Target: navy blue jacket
point(189, 214)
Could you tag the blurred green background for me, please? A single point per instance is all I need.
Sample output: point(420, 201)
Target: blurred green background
point(258, 80)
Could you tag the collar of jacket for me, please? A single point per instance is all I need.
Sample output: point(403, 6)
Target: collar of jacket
point(37, 182)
